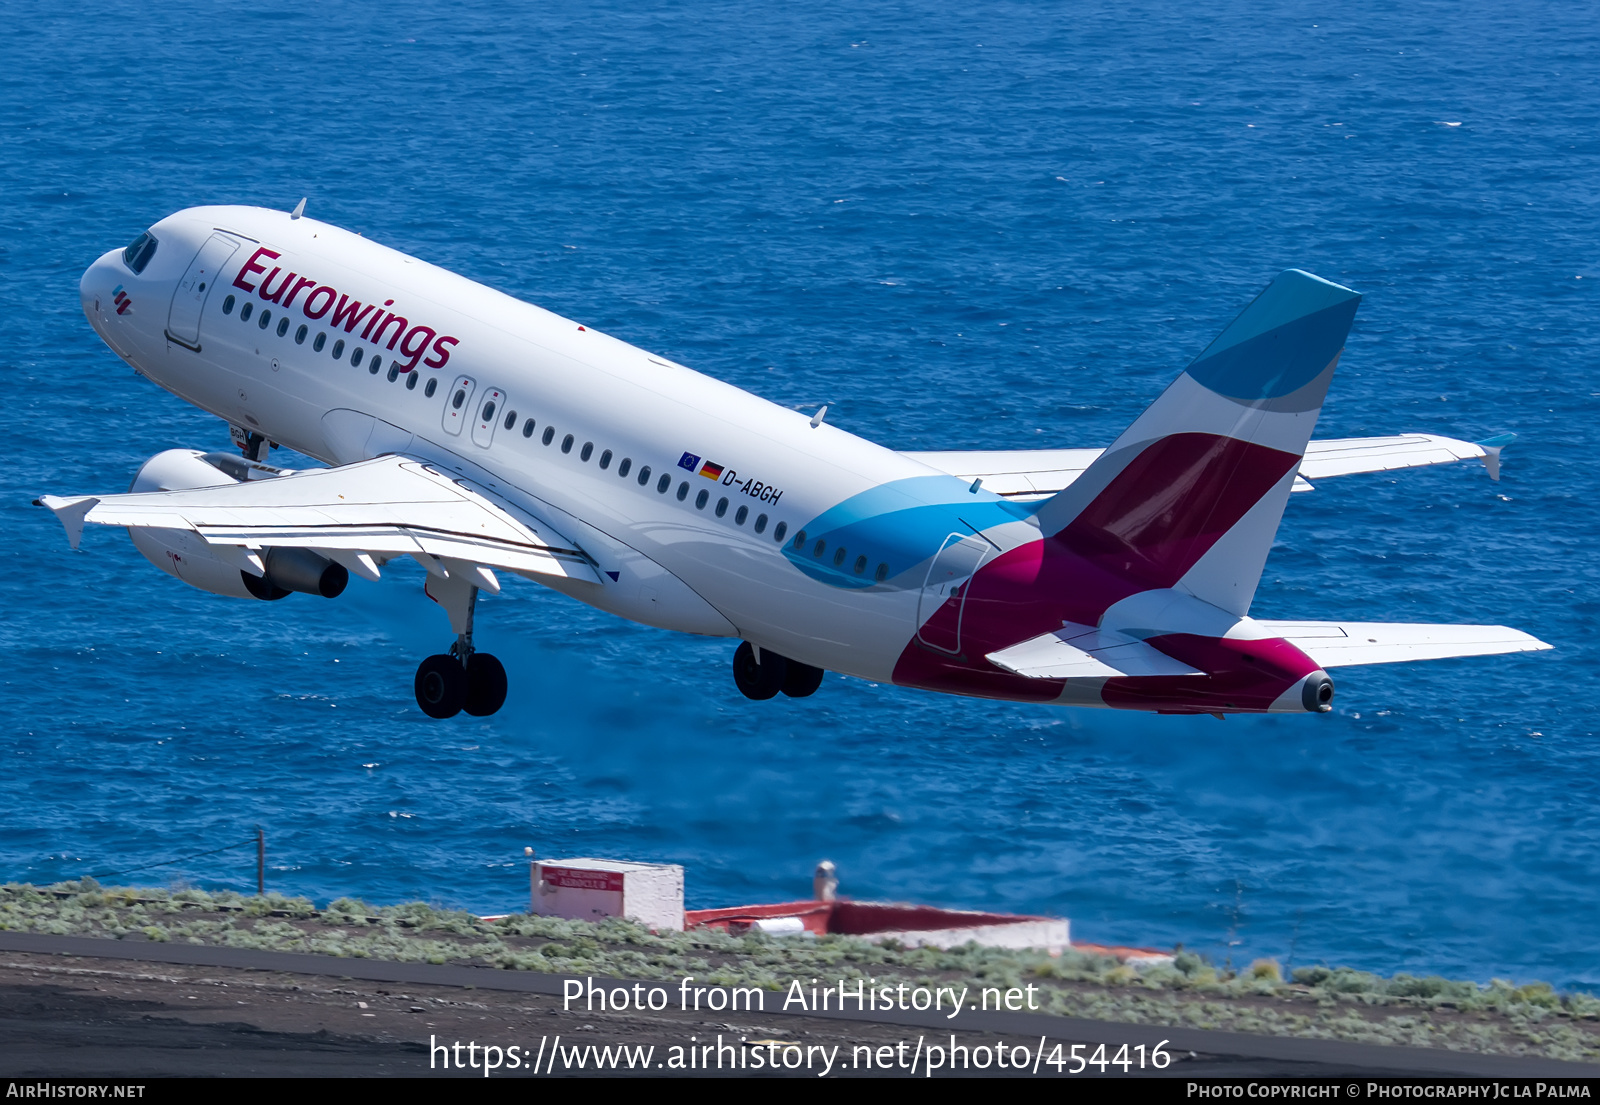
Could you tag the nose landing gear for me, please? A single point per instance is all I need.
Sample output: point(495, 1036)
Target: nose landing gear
point(463, 678)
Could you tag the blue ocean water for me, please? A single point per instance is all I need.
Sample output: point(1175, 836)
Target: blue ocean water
point(1003, 225)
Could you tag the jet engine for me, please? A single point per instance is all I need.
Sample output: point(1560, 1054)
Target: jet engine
point(184, 554)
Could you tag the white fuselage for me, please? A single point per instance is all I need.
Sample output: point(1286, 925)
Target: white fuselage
point(678, 565)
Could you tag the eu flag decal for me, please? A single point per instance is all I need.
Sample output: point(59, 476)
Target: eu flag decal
point(688, 461)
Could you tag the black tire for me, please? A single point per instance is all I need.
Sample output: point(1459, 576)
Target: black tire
point(757, 680)
point(801, 680)
point(486, 685)
point(441, 686)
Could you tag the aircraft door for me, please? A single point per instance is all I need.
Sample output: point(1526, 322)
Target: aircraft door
point(948, 576)
point(490, 411)
point(183, 321)
point(458, 404)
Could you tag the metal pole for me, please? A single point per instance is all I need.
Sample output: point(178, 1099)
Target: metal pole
point(261, 862)
point(533, 881)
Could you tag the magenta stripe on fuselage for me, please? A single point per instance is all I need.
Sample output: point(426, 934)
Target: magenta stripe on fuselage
point(1148, 527)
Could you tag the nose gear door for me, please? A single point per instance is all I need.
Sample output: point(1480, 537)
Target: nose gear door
point(183, 322)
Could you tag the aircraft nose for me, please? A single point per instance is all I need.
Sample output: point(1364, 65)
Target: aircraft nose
point(99, 289)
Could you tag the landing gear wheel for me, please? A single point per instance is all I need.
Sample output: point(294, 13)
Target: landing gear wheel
point(441, 686)
point(758, 679)
point(801, 680)
point(486, 685)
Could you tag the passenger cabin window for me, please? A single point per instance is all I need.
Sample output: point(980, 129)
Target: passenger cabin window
point(605, 459)
point(433, 386)
point(644, 475)
point(702, 499)
point(139, 252)
point(663, 483)
point(622, 469)
point(411, 380)
point(300, 334)
point(778, 533)
point(338, 349)
point(722, 506)
point(549, 435)
point(244, 312)
point(740, 515)
point(394, 371)
point(511, 419)
point(318, 342)
point(355, 357)
point(882, 573)
point(566, 443)
point(227, 306)
point(586, 452)
point(527, 428)
point(761, 523)
point(266, 317)
point(283, 326)
point(683, 491)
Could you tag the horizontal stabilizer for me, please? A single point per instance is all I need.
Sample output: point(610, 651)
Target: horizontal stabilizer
point(1345, 644)
point(1082, 652)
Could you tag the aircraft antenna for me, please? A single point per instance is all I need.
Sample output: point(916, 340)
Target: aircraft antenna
point(299, 209)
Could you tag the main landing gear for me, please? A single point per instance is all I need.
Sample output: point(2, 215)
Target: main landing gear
point(761, 673)
point(463, 678)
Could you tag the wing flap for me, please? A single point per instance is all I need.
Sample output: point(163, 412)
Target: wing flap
point(383, 508)
point(1345, 644)
point(1082, 652)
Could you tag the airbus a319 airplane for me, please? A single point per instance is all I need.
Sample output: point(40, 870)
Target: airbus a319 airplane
point(478, 434)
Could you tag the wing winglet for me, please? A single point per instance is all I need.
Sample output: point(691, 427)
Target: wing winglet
point(1491, 447)
point(70, 511)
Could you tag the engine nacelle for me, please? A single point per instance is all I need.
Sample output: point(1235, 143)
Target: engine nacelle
point(183, 554)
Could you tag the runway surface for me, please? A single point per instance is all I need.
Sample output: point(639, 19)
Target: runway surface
point(87, 1008)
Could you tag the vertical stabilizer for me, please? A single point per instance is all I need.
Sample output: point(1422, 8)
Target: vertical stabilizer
point(1191, 494)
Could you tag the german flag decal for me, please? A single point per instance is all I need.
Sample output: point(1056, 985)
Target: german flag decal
point(711, 471)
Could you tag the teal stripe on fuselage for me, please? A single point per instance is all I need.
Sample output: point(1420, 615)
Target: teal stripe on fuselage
point(900, 524)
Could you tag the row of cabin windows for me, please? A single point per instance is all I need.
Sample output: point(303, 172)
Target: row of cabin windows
point(357, 355)
point(840, 555)
point(663, 482)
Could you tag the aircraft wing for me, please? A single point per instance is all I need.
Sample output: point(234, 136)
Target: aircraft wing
point(1037, 473)
point(357, 515)
point(1345, 644)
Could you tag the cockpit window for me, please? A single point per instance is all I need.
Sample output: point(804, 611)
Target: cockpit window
point(139, 252)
